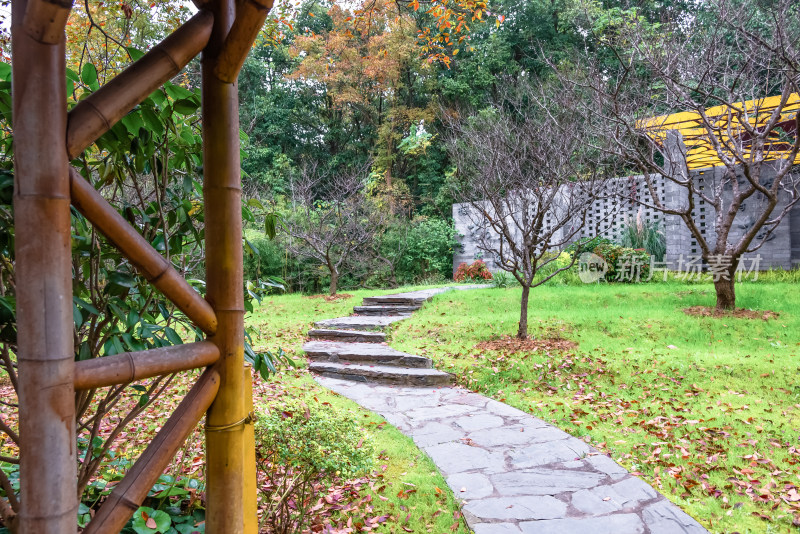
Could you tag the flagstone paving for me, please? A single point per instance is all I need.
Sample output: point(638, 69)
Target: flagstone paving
point(514, 473)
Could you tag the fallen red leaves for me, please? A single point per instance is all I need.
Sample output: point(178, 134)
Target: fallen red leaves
point(738, 313)
point(331, 298)
point(511, 345)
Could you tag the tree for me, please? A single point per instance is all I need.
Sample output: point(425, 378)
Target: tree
point(331, 218)
point(735, 70)
point(369, 75)
point(528, 181)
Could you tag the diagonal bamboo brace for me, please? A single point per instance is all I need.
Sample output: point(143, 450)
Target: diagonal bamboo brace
point(45, 19)
point(95, 115)
point(132, 489)
point(250, 16)
point(130, 366)
point(155, 268)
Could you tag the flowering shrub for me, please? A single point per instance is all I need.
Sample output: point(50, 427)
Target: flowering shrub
point(477, 272)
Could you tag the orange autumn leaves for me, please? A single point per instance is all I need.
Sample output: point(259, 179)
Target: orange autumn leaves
point(357, 62)
point(397, 23)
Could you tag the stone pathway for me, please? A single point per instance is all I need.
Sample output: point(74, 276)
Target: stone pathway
point(515, 473)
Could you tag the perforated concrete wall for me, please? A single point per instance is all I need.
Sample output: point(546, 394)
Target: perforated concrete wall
point(629, 198)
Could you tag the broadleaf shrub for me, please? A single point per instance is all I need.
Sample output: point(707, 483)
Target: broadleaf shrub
point(587, 244)
point(476, 272)
point(624, 264)
point(431, 242)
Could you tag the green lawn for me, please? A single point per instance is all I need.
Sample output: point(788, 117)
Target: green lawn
point(706, 409)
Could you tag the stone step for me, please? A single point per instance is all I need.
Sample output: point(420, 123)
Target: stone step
point(411, 298)
point(386, 310)
point(364, 322)
point(363, 353)
point(349, 336)
point(393, 300)
point(382, 373)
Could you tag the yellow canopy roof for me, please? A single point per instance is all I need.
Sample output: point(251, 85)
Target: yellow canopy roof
point(727, 127)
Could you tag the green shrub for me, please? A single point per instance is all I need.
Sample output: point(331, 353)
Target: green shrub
point(563, 259)
point(300, 451)
point(263, 257)
point(624, 264)
point(553, 260)
point(587, 244)
point(428, 250)
point(503, 279)
point(321, 441)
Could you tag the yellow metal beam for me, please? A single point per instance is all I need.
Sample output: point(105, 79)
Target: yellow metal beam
point(727, 127)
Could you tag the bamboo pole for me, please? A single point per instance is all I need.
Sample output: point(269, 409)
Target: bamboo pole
point(45, 20)
point(130, 366)
point(153, 266)
point(223, 217)
point(44, 284)
point(250, 15)
point(250, 505)
point(132, 489)
point(96, 114)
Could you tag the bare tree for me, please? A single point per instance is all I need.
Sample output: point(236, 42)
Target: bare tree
point(735, 68)
point(527, 181)
point(332, 218)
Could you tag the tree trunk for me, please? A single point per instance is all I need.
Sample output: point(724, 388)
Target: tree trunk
point(522, 333)
point(726, 295)
point(334, 280)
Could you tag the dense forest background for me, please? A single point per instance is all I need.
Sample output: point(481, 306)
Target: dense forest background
point(343, 92)
point(335, 89)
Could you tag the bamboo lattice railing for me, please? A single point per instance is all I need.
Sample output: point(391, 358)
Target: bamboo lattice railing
point(46, 138)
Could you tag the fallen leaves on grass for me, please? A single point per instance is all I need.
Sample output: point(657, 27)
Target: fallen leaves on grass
point(735, 448)
point(738, 313)
point(331, 298)
point(511, 345)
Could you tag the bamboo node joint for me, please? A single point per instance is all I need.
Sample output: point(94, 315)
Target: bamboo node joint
point(248, 419)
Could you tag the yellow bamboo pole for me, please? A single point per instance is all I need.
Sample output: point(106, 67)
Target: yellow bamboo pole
point(45, 19)
point(250, 15)
point(48, 503)
point(227, 416)
point(249, 442)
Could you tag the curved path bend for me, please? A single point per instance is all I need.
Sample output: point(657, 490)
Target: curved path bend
point(515, 473)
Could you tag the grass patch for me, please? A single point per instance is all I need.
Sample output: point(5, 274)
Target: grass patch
point(706, 408)
point(282, 321)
